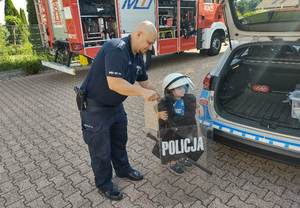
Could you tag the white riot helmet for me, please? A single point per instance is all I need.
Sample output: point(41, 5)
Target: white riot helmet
point(174, 80)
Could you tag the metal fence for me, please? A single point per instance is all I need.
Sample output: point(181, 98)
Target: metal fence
point(19, 35)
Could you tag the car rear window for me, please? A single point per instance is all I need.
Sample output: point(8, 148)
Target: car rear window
point(266, 15)
point(282, 52)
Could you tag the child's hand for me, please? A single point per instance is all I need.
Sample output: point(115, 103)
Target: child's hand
point(163, 115)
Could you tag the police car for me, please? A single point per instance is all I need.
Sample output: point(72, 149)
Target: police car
point(247, 99)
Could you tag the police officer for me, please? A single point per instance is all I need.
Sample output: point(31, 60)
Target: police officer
point(110, 80)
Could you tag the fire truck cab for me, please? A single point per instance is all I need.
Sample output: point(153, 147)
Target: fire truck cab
point(71, 27)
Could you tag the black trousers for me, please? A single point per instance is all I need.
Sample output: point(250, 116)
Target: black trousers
point(105, 132)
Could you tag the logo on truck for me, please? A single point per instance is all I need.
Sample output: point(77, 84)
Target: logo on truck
point(137, 4)
point(56, 13)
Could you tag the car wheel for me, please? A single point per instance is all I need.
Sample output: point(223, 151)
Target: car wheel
point(215, 45)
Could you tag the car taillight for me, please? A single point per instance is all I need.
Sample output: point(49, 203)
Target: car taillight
point(76, 46)
point(207, 82)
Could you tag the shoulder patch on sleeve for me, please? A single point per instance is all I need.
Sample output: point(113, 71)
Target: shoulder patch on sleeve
point(121, 44)
point(113, 73)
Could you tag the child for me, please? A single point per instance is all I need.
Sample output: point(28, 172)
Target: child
point(176, 109)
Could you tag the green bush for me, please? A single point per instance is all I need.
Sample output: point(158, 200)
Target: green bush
point(46, 56)
point(10, 62)
point(23, 17)
point(24, 49)
point(10, 9)
point(30, 64)
point(3, 38)
point(18, 32)
point(15, 49)
point(33, 65)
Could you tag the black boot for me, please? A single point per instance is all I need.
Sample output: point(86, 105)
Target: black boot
point(132, 174)
point(113, 194)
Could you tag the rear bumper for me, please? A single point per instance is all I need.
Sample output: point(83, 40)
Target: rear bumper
point(254, 143)
point(260, 149)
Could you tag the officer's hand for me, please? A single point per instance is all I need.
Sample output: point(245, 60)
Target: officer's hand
point(163, 115)
point(151, 95)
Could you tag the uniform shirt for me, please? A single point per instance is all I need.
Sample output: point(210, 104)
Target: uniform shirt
point(115, 59)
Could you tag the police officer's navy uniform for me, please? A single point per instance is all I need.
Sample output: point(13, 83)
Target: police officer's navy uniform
point(104, 122)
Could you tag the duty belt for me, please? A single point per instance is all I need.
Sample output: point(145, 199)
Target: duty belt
point(92, 105)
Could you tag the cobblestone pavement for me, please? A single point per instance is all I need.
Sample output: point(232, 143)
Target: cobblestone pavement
point(45, 163)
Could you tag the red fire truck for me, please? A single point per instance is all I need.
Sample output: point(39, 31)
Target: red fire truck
point(71, 27)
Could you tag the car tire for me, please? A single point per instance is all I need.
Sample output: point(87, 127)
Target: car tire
point(215, 44)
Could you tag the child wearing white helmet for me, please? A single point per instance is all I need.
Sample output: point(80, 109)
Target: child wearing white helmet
point(177, 109)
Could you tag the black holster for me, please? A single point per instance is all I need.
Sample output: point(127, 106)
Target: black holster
point(81, 97)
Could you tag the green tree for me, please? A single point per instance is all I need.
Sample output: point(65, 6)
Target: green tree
point(3, 37)
point(18, 31)
point(23, 17)
point(10, 9)
point(247, 5)
point(32, 18)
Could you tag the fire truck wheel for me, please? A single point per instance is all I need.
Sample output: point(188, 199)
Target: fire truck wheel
point(215, 45)
point(203, 52)
point(62, 56)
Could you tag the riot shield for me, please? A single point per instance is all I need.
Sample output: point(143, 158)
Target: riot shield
point(176, 137)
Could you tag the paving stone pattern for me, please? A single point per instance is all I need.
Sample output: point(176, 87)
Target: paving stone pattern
point(45, 163)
